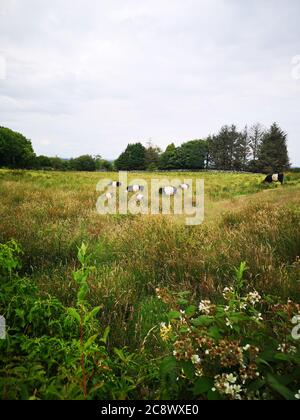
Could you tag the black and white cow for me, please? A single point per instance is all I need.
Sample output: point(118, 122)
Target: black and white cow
point(168, 191)
point(135, 188)
point(115, 184)
point(274, 178)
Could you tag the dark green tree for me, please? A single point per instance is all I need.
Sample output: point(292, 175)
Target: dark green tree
point(83, 163)
point(15, 150)
point(152, 157)
point(172, 158)
point(133, 159)
point(273, 154)
point(194, 154)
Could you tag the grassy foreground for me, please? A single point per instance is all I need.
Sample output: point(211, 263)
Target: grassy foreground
point(174, 297)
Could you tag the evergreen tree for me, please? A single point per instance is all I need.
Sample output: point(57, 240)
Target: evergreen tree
point(222, 149)
point(273, 153)
point(133, 159)
point(152, 156)
point(241, 150)
point(256, 135)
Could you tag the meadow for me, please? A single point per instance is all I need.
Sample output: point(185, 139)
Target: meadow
point(145, 276)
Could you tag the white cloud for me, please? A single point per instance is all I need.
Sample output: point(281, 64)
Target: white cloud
point(90, 76)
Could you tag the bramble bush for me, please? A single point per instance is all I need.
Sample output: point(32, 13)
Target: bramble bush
point(54, 352)
point(241, 349)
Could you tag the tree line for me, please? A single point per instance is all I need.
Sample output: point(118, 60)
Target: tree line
point(253, 149)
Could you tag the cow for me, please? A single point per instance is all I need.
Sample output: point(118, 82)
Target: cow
point(135, 188)
point(115, 184)
point(169, 191)
point(184, 187)
point(274, 178)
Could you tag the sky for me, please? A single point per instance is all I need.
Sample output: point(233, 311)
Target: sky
point(90, 76)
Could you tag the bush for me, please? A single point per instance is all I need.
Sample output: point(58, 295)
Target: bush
point(242, 349)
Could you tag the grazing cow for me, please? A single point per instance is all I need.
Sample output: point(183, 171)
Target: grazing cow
point(135, 188)
point(109, 196)
point(115, 184)
point(184, 186)
point(274, 178)
point(169, 191)
point(139, 198)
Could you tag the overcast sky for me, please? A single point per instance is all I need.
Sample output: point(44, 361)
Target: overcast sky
point(90, 76)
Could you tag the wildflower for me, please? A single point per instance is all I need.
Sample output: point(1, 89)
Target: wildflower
point(282, 348)
point(258, 317)
point(205, 307)
point(231, 379)
point(229, 323)
point(253, 298)
point(247, 347)
point(195, 359)
point(226, 384)
point(165, 331)
point(297, 396)
point(227, 293)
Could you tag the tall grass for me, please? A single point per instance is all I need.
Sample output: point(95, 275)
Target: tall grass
point(50, 214)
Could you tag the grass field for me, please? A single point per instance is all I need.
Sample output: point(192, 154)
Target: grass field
point(51, 214)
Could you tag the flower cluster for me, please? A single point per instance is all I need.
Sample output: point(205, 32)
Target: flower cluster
point(227, 384)
point(206, 307)
point(253, 298)
point(165, 331)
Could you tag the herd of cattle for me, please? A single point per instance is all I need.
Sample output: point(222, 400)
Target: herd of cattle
point(171, 191)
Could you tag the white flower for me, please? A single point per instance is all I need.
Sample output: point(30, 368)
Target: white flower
point(205, 306)
point(297, 396)
point(229, 323)
point(231, 378)
point(247, 347)
point(253, 298)
point(195, 359)
point(258, 317)
point(207, 352)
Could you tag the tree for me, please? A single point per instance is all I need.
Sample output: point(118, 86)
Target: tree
point(273, 153)
point(241, 151)
point(83, 163)
point(222, 148)
point(42, 162)
point(194, 154)
point(152, 157)
point(256, 135)
point(172, 158)
point(15, 150)
point(133, 159)
point(102, 164)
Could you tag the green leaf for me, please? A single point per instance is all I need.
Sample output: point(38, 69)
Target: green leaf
point(174, 315)
point(202, 386)
point(90, 342)
point(92, 314)
point(168, 365)
point(191, 310)
point(105, 335)
point(203, 321)
point(74, 314)
point(279, 388)
point(214, 396)
point(188, 369)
